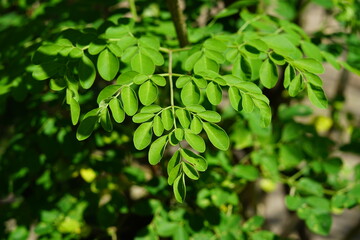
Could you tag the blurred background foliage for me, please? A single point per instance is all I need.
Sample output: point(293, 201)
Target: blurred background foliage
point(55, 187)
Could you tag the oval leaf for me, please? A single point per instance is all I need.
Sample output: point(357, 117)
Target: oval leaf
point(156, 150)
point(217, 136)
point(129, 99)
point(108, 65)
point(142, 136)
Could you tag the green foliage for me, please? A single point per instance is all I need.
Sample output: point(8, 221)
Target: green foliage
point(192, 111)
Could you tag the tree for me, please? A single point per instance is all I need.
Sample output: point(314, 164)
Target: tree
point(178, 128)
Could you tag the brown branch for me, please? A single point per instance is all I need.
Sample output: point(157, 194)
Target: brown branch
point(179, 21)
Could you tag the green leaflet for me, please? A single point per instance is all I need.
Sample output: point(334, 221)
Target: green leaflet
point(215, 55)
point(87, 125)
point(179, 188)
point(319, 223)
point(215, 45)
point(311, 50)
point(293, 202)
point(247, 103)
point(316, 95)
point(158, 126)
point(76, 53)
point(129, 99)
point(196, 160)
point(155, 55)
point(179, 134)
point(217, 136)
point(126, 78)
point(331, 59)
point(195, 108)
point(235, 98)
point(296, 85)
point(174, 173)
point(129, 53)
point(288, 75)
point(268, 74)
point(173, 140)
point(105, 120)
point(210, 116)
point(174, 161)
point(151, 109)
point(265, 111)
point(309, 64)
point(96, 47)
point(108, 65)
point(140, 79)
point(205, 64)
point(214, 93)
point(107, 92)
point(142, 64)
point(156, 150)
point(200, 82)
point(281, 45)
point(115, 49)
point(158, 80)
point(148, 93)
point(190, 94)
point(190, 171)
point(116, 110)
point(150, 42)
point(182, 81)
point(196, 125)
point(167, 119)
point(74, 111)
point(195, 141)
point(87, 72)
point(142, 117)
point(313, 79)
point(191, 60)
point(142, 136)
point(45, 70)
point(184, 117)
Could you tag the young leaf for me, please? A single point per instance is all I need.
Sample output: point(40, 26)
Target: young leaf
point(116, 110)
point(295, 85)
point(217, 136)
point(107, 92)
point(96, 47)
point(311, 50)
point(210, 116)
point(214, 44)
point(179, 134)
point(191, 60)
point(195, 141)
point(148, 93)
point(268, 74)
point(288, 75)
point(196, 160)
point(156, 150)
point(174, 173)
point(158, 80)
point(142, 64)
point(167, 119)
point(196, 125)
point(215, 55)
point(74, 111)
point(129, 99)
point(140, 79)
point(214, 93)
point(105, 120)
point(190, 94)
point(235, 98)
point(126, 78)
point(180, 188)
point(155, 55)
point(183, 117)
point(108, 65)
point(87, 72)
point(158, 126)
point(313, 79)
point(190, 171)
point(174, 161)
point(205, 64)
point(115, 49)
point(195, 108)
point(310, 65)
point(142, 136)
point(87, 125)
point(151, 109)
point(142, 117)
point(317, 96)
point(182, 81)
point(247, 103)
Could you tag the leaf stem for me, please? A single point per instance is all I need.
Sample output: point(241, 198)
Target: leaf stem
point(171, 87)
point(167, 50)
point(133, 10)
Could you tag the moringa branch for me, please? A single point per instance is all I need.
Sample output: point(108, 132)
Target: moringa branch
point(179, 21)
